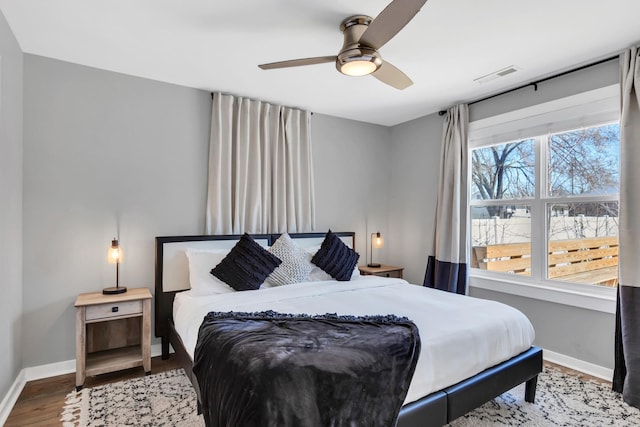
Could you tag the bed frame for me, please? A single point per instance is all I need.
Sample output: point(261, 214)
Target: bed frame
point(436, 409)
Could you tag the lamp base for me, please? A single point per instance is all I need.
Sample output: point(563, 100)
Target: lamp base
point(114, 290)
point(374, 264)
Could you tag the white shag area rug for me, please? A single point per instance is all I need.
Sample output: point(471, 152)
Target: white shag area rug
point(167, 399)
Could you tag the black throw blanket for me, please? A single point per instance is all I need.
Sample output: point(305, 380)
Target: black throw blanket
point(270, 369)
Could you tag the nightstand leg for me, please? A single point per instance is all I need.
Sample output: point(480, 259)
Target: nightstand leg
point(81, 342)
point(146, 335)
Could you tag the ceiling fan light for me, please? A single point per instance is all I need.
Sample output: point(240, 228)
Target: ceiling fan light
point(358, 63)
point(358, 68)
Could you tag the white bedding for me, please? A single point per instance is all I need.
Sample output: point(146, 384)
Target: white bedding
point(461, 336)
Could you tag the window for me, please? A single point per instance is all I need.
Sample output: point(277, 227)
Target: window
point(546, 206)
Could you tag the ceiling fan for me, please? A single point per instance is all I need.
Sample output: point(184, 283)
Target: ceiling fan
point(363, 36)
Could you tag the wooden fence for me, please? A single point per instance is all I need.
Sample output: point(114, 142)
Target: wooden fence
point(591, 260)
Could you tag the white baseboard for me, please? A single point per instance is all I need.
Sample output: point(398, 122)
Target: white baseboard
point(578, 365)
point(11, 397)
point(40, 372)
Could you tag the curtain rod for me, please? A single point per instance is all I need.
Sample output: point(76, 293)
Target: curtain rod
point(535, 83)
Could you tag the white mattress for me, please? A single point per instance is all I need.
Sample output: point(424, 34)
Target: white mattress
point(460, 335)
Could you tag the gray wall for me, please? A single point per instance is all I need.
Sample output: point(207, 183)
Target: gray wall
point(590, 78)
point(107, 154)
point(583, 334)
point(10, 206)
point(351, 178)
point(414, 166)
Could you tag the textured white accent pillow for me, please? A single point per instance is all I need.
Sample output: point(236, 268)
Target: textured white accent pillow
point(200, 264)
point(295, 265)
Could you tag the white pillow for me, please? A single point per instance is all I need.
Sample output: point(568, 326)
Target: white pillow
point(295, 265)
point(200, 264)
point(317, 274)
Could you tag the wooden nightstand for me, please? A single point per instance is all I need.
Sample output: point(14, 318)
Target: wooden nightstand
point(383, 270)
point(113, 332)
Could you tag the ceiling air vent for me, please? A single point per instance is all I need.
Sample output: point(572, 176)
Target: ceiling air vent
point(496, 74)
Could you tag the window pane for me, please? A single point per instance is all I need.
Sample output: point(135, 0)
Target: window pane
point(583, 243)
point(585, 161)
point(504, 171)
point(501, 237)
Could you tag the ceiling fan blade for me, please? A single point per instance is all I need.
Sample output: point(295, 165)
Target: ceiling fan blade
point(390, 21)
point(298, 62)
point(389, 74)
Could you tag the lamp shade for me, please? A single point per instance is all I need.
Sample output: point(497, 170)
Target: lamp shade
point(114, 253)
point(378, 241)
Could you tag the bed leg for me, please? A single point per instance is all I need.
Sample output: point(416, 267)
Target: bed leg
point(165, 347)
point(199, 407)
point(530, 390)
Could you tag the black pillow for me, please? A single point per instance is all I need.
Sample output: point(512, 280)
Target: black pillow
point(246, 266)
point(336, 258)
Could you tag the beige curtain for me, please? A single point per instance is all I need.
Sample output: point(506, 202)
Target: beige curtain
point(627, 356)
point(447, 265)
point(260, 168)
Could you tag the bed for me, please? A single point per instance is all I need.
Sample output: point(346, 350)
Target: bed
point(484, 351)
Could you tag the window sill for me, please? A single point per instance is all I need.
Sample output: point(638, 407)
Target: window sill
point(593, 298)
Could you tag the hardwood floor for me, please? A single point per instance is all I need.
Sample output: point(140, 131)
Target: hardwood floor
point(41, 401)
point(581, 375)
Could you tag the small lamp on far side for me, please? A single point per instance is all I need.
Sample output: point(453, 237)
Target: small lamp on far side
point(377, 242)
point(114, 256)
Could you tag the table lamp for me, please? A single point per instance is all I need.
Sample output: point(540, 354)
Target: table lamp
point(114, 256)
point(376, 242)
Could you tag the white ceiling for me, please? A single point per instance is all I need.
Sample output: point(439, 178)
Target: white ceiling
point(217, 45)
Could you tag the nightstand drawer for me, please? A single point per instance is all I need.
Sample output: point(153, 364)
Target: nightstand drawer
point(106, 311)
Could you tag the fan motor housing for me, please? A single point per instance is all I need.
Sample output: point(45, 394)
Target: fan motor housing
point(352, 29)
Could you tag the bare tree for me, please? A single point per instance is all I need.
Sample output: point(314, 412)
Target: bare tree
point(583, 161)
point(504, 171)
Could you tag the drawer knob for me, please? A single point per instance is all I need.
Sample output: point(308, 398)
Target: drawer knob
point(114, 309)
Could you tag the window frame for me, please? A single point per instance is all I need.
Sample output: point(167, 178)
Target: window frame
point(589, 109)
